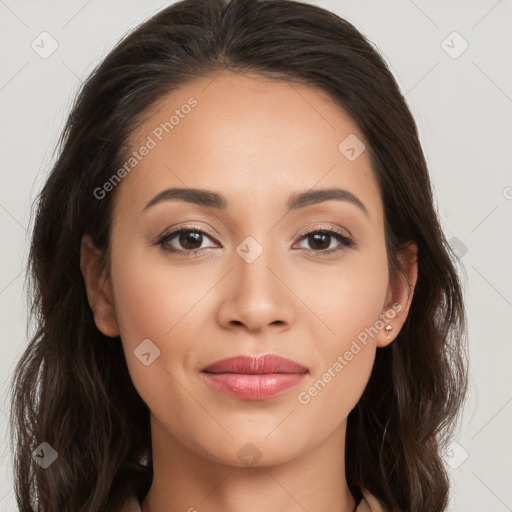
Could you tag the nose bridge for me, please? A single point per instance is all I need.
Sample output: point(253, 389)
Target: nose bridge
point(256, 297)
point(254, 264)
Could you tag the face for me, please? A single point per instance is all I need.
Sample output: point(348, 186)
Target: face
point(255, 270)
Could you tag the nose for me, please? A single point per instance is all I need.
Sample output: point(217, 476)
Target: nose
point(256, 296)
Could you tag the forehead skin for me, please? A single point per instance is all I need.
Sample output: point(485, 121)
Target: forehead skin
point(256, 141)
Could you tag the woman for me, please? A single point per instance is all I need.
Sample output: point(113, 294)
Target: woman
point(244, 297)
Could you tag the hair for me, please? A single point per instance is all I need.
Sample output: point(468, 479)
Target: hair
point(72, 389)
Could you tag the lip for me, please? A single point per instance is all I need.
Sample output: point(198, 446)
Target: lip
point(255, 365)
point(254, 377)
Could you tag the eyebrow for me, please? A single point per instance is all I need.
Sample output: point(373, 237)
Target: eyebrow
point(298, 200)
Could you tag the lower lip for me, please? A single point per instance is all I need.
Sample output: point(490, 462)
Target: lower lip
point(253, 387)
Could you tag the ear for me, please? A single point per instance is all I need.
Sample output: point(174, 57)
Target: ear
point(98, 287)
point(399, 297)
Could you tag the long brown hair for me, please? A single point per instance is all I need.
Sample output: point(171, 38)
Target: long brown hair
point(71, 388)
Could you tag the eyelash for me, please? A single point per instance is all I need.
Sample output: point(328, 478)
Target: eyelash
point(344, 240)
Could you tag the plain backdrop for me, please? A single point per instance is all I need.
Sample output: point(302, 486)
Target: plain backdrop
point(452, 60)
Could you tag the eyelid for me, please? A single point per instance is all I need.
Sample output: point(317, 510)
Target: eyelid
point(183, 227)
point(324, 227)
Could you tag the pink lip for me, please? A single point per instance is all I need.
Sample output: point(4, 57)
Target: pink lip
point(254, 378)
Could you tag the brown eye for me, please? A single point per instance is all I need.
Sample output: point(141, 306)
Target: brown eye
point(187, 241)
point(320, 241)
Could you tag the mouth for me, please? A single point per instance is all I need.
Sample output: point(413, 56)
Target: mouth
point(254, 377)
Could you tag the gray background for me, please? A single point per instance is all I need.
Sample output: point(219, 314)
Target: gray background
point(462, 101)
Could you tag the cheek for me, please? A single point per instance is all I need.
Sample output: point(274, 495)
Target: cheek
point(346, 297)
point(158, 302)
point(349, 304)
point(152, 297)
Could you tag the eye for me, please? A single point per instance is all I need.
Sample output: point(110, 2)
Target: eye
point(190, 241)
point(189, 238)
point(321, 241)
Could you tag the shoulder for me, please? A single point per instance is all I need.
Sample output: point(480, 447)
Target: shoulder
point(369, 503)
point(131, 504)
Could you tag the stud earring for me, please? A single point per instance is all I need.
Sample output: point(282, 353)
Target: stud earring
point(388, 329)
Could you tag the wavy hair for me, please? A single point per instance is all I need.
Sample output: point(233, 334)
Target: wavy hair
point(72, 389)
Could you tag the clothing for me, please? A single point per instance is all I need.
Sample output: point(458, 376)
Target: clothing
point(368, 504)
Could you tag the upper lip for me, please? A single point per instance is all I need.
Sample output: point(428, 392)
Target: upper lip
point(255, 365)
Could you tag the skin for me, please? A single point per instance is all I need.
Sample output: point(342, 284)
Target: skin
point(256, 141)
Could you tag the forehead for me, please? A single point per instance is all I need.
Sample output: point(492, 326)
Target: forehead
point(249, 137)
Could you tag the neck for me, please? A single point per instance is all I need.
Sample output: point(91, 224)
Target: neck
point(185, 480)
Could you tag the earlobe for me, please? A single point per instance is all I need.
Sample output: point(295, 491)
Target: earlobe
point(98, 287)
point(400, 295)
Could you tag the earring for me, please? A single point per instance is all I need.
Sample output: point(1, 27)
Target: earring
point(388, 329)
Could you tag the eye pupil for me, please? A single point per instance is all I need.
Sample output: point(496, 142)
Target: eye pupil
point(321, 237)
point(190, 237)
